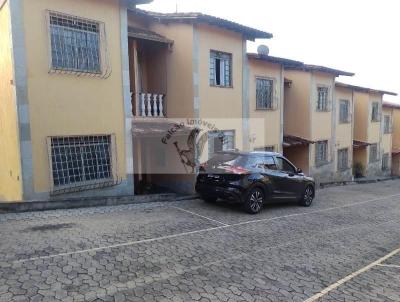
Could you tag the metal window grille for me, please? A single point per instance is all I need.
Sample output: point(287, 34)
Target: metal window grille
point(76, 45)
point(220, 69)
point(387, 126)
point(385, 162)
point(373, 153)
point(344, 109)
point(80, 160)
point(321, 152)
point(264, 93)
point(266, 149)
point(322, 102)
point(375, 112)
point(220, 141)
point(343, 159)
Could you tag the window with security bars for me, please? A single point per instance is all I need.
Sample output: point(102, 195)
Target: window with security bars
point(321, 152)
point(385, 162)
point(375, 112)
point(343, 159)
point(387, 124)
point(220, 69)
point(266, 149)
point(79, 160)
point(220, 141)
point(344, 111)
point(373, 153)
point(75, 44)
point(322, 101)
point(264, 93)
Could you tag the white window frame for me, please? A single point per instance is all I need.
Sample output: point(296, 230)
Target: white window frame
point(321, 159)
point(347, 119)
point(343, 163)
point(375, 114)
point(268, 105)
point(90, 184)
point(376, 158)
point(323, 106)
point(103, 56)
point(387, 124)
point(225, 61)
point(270, 148)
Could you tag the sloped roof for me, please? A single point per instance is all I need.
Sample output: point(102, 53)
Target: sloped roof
point(364, 89)
point(360, 144)
point(276, 60)
point(294, 141)
point(249, 32)
point(319, 68)
point(145, 34)
point(391, 105)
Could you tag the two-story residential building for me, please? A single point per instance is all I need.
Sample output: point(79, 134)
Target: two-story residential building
point(393, 109)
point(100, 96)
point(371, 148)
point(65, 82)
point(201, 79)
point(265, 100)
point(310, 120)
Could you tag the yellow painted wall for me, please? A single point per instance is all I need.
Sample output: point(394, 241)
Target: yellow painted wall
point(222, 106)
point(387, 138)
point(374, 128)
point(179, 93)
point(297, 104)
point(265, 124)
point(344, 131)
point(396, 128)
point(10, 165)
point(299, 156)
point(70, 104)
point(361, 116)
point(321, 121)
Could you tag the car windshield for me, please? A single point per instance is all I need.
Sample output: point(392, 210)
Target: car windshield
point(227, 159)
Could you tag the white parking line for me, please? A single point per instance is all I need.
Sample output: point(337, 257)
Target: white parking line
point(198, 231)
point(195, 214)
point(351, 276)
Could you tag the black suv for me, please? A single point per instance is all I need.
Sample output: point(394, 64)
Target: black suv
point(252, 178)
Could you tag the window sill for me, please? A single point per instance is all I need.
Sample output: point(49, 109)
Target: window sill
point(375, 121)
point(75, 72)
point(344, 123)
point(220, 86)
point(266, 109)
point(320, 110)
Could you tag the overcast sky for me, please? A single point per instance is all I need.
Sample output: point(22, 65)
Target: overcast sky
point(361, 36)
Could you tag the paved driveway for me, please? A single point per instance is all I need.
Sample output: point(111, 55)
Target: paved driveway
point(343, 247)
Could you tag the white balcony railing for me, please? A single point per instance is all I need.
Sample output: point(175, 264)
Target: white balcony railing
point(151, 105)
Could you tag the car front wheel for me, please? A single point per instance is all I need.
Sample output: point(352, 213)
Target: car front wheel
point(254, 201)
point(308, 196)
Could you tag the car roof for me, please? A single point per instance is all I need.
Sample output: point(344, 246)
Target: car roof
point(251, 153)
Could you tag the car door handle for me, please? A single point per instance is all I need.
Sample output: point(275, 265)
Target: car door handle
point(290, 174)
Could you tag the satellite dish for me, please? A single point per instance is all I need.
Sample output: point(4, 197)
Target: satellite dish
point(263, 50)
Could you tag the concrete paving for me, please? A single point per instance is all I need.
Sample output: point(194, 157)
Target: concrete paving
point(342, 248)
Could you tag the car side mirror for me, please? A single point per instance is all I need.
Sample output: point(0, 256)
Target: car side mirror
point(299, 171)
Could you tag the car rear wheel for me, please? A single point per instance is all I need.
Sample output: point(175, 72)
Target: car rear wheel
point(254, 201)
point(209, 198)
point(308, 196)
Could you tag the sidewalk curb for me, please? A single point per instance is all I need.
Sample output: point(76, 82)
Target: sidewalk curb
point(74, 203)
point(355, 182)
